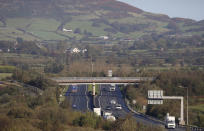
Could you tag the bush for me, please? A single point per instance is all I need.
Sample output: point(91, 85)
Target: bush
point(20, 112)
point(5, 123)
point(7, 69)
point(88, 120)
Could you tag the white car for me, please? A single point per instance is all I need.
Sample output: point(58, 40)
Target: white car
point(113, 102)
point(118, 107)
point(74, 106)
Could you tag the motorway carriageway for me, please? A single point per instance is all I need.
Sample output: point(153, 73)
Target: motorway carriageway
point(82, 101)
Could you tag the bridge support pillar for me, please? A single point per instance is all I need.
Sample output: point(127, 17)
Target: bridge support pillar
point(94, 89)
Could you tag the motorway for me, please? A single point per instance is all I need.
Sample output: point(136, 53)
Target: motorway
point(106, 96)
point(81, 101)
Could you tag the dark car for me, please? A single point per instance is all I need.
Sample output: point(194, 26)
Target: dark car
point(108, 108)
point(74, 89)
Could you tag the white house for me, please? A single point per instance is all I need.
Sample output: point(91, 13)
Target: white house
point(66, 30)
point(104, 37)
point(75, 50)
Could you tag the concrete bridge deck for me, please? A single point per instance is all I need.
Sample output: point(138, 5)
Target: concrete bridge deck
point(100, 80)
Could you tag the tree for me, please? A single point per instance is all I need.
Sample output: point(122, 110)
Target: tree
point(77, 31)
point(19, 40)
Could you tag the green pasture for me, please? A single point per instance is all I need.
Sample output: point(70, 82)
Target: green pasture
point(41, 27)
point(7, 69)
point(70, 34)
point(11, 33)
point(18, 22)
point(42, 24)
point(4, 75)
point(86, 25)
point(45, 35)
point(199, 108)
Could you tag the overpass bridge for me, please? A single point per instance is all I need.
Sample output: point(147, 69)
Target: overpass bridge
point(100, 80)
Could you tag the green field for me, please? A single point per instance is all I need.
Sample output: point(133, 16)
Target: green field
point(42, 24)
point(7, 69)
point(87, 25)
point(45, 28)
point(46, 35)
point(4, 75)
point(39, 29)
point(197, 108)
point(18, 22)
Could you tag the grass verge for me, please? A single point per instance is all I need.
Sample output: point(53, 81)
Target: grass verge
point(90, 88)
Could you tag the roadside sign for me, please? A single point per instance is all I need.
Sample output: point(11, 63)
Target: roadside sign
point(155, 94)
point(152, 102)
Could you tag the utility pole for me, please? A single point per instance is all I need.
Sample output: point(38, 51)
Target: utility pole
point(92, 66)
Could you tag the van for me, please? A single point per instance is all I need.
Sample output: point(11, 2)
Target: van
point(112, 88)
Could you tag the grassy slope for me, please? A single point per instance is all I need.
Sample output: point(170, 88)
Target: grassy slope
point(44, 28)
point(40, 28)
point(4, 75)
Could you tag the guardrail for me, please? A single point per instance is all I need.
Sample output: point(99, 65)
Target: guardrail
point(147, 116)
point(191, 127)
point(195, 128)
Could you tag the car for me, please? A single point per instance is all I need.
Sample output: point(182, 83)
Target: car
point(108, 108)
point(112, 88)
point(113, 102)
point(74, 89)
point(74, 106)
point(118, 107)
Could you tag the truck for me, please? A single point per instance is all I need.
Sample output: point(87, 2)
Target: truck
point(170, 121)
point(97, 111)
point(108, 116)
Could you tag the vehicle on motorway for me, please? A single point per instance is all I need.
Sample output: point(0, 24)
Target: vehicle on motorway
point(112, 88)
point(113, 102)
point(108, 108)
point(108, 116)
point(74, 89)
point(74, 106)
point(118, 107)
point(170, 121)
point(97, 111)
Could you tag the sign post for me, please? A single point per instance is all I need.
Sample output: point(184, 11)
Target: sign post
point(156, 97)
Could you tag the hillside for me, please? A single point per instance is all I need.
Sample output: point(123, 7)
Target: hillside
point(45, 19)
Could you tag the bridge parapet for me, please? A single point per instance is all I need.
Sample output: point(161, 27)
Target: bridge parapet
point(64, 80)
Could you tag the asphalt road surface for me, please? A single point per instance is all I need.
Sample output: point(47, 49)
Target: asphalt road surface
point(107, 96)
point(82, 101)
point(78, 99)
